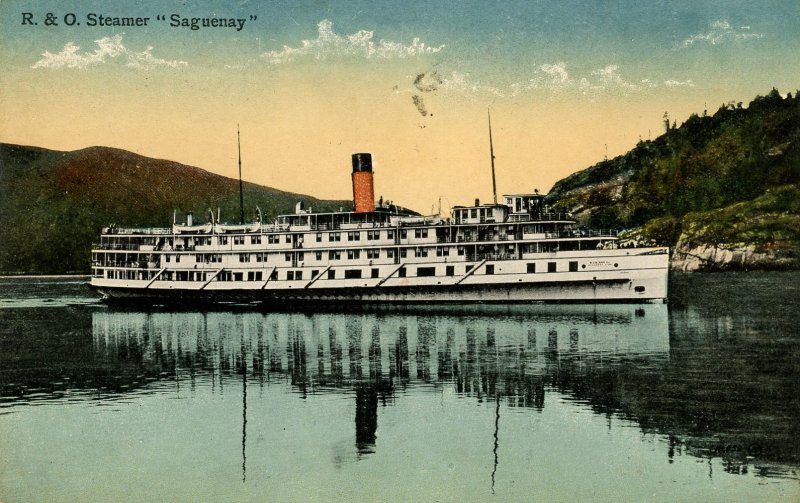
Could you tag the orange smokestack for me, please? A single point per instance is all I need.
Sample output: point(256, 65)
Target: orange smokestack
point(363, 191)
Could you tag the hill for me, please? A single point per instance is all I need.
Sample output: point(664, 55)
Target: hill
point(722, 191)
point(55, 203)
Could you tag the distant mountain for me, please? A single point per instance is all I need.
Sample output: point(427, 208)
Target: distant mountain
point(53, 204)
point(723, 191)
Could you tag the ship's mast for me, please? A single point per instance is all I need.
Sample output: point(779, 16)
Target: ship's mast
point(241, 190)
point(491, 154)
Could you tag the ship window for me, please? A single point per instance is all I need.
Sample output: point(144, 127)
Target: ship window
point(353, 254)
point(301, 256)
point(389, 253)
point(334, 236)
point(573, 266)
point(318, 255)
point(401, 272)
point(551, 267)
point(531, 268)
point(442, 252)
point(314, 274)
point(238, 276)
point(223, 240)
point(389, 234)
point(238, 240)
point(298, 275)
point(198, 257)
point(273, 275)
point(426, 271)
point(288, 238)
point(334, 255)
point(352, 273)
point(373, 253)
point(166, 258)
point(256, 240)
point(375, 272)
point(373, 235)
point(331, 274)
point(177, 258)
point(490, 269)
point(638, 289)
point(354, 236)
point(450, 270)
point(403, 253)
point(420, 233)
point(272, 239)
point(319, 237)
point(403, 233)
point(244, 257)
point(288, 257)
point(290, 275)
point(422, 252)
point(473, 213)
point(461, 250)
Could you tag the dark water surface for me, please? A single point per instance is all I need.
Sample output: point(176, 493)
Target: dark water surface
point(698, 400)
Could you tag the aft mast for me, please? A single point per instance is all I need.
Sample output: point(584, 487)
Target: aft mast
point(491, 154)
point(241, 190)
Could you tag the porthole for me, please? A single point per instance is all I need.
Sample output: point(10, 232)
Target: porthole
point(638, 289)
point(616, 265)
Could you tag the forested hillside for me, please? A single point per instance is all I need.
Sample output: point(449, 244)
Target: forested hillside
point(55, 203)
point(721, 190)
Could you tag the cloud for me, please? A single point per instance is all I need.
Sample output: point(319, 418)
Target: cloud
point(329, 44)
point(556, 78)
point(465, 84)
point(108, 48)
point(679, 83)
point(720, 31)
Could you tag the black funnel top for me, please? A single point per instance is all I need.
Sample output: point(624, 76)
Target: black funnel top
point(362, 162)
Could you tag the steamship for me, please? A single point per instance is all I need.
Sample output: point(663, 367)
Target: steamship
point(513, 251)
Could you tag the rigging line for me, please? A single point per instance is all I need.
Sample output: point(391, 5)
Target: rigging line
point(241, 190)
point(491, 154)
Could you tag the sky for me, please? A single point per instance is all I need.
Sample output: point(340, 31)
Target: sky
point(311, 82)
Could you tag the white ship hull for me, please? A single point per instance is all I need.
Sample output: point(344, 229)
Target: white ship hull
point(639, 276)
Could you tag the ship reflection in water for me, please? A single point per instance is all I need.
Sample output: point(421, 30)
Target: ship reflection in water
point(574, 401)
point(377, 357)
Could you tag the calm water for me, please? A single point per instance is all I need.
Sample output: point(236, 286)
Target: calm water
point(694, 401)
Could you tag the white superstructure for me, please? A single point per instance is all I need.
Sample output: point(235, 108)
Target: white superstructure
point(516, 251)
